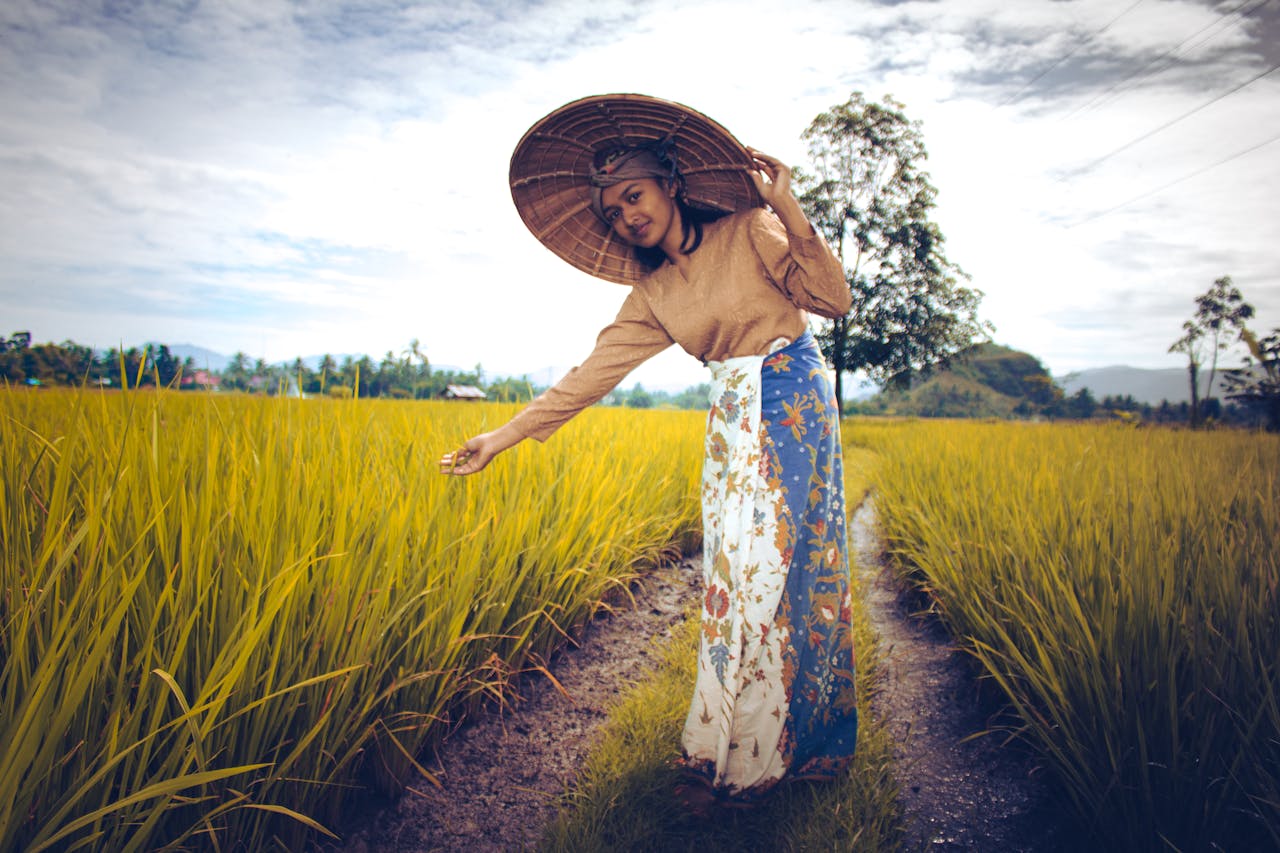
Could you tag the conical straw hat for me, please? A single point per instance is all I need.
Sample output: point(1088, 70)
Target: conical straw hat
point(552, 166)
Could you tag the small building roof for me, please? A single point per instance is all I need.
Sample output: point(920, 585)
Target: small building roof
point(464, 392)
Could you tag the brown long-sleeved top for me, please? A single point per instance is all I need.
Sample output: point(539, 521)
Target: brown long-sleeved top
point(750, 283)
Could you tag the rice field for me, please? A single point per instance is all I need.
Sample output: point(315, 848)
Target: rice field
point(222, 615)
point(1119, 585)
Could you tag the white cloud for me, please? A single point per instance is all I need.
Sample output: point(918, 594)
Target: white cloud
point(288, 179)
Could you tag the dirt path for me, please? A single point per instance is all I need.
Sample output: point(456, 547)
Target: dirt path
point(957, 795)
point(501, 774)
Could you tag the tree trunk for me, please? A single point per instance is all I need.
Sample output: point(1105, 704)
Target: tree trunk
point(1192, 370)
point(839, 331)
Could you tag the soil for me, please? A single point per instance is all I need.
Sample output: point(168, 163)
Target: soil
point(961, 790)
point(501, 774)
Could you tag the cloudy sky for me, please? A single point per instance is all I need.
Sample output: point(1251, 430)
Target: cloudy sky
point(295, 178)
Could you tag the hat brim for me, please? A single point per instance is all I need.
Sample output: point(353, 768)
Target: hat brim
point(552, 165)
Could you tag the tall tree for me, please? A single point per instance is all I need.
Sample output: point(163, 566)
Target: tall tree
point(365, 381)
point(326, 371)
point(1191, 344)
point(164, 366)
point(300, 377)
point(420, 379)
point(1218, 323)
point(1221, 312)
point(236, 376)
point(17, 340)
point(866, 191)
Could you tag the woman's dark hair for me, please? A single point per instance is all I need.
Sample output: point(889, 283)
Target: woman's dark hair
point(692, 218)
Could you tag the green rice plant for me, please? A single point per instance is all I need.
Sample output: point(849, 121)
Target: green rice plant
point(1120, 587)
point(221, 615)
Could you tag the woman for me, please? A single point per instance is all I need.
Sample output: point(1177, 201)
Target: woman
point(655, 195)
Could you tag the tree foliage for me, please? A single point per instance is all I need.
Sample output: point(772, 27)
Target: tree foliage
point(1221, 312)
point(407, 376)
point(866, 191)
point(69, 363)
point(1257, 385)
point(15, 341)
point(1218, 323)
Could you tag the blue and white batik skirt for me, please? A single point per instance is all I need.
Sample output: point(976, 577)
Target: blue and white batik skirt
point(774, 697)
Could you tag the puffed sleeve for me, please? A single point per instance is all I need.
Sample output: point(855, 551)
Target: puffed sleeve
point(804, 268)
point(634, 336)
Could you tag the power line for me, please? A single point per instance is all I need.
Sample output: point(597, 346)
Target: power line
point(1172, 183)
point(1018, 94)
point(1132, 142)
point(1224, 24)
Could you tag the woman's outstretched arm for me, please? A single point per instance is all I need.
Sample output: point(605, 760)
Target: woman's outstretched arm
point(630, 339)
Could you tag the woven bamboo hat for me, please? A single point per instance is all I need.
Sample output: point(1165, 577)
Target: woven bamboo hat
point(552, 166)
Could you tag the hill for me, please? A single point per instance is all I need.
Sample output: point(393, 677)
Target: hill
point(988, 381)
point(204, 359)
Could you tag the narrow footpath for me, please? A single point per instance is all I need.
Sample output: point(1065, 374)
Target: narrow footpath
point(958, 794)
point(501, 774)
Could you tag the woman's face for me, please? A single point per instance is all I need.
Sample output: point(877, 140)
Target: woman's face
point(643, 212)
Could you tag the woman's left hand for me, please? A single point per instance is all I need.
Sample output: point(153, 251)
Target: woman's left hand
point(777, 189)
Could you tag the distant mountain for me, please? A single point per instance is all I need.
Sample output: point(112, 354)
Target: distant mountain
point(203, 359)
point(1146, 385)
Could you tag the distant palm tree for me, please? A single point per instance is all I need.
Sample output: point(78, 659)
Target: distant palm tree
point(424, 369)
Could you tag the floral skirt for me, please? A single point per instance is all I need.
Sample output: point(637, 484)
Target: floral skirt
point(774, 696)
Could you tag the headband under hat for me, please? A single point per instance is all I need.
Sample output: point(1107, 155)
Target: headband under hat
point(627, 164)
